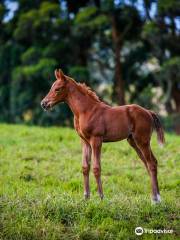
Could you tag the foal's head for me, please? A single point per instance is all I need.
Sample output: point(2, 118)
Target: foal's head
point(57, 93)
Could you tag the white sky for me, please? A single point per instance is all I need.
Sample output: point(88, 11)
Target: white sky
point(12, 6)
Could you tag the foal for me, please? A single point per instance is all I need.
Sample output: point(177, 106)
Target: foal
point(96, 122)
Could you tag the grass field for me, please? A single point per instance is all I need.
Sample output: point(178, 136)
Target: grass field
point(41, 188)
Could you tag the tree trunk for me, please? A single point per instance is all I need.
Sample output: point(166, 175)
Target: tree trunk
point(147, 6)
point(176, 97)
point(169, 107)
point(118, 88)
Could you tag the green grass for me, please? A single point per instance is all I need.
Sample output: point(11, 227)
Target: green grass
point(41, 188)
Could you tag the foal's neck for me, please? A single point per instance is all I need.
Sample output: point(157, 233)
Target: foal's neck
point(77, 100)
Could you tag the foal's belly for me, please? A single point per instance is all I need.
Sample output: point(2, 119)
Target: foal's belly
point(112, 139)
point(115, 136)
point(117, 125)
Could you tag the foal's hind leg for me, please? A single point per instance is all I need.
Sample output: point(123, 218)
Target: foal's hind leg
point(138, 151)
point(152, 166)
point(153, 169)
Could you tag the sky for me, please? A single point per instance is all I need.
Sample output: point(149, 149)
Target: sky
point(12, 6)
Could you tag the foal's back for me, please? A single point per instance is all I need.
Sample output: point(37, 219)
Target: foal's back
point(122, 121)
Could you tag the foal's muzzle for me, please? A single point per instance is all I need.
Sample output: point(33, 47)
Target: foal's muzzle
point(45, 105)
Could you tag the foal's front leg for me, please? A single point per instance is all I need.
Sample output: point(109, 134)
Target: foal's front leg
point(86, 160)
point(96, 144)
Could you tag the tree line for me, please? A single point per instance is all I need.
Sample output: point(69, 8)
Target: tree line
point(127, 50)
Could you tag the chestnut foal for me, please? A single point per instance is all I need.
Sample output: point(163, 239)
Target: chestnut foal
point(96, 122)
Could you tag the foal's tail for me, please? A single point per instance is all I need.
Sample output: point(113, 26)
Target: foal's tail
point(159, 129)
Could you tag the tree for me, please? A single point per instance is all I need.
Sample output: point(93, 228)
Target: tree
point(107, 44)
point(123, 22)
point(38, 55)
point(126, 25)
point(163, 35)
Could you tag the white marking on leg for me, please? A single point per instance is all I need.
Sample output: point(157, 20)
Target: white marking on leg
point(156, 199)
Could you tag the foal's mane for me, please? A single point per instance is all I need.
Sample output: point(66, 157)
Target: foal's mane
point(87, 90)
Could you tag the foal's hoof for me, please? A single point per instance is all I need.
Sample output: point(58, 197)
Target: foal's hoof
point(101, 196)
point(86, 196)
point(156, 199)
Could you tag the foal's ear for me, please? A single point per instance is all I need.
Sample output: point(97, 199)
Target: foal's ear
point(59, 74)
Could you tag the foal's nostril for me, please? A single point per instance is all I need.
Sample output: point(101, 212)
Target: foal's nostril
point(43, 104)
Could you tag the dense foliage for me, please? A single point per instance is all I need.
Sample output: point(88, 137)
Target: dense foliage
point(124, 49)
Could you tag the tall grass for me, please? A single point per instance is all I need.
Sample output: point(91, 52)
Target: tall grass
point(41, 193)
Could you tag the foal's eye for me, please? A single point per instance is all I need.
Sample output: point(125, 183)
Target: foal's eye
point(58, 90)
